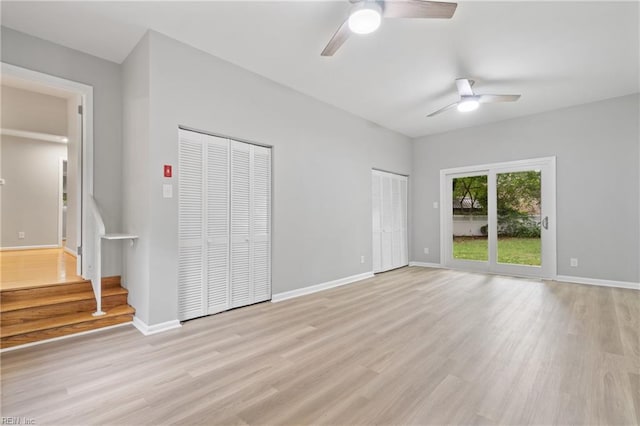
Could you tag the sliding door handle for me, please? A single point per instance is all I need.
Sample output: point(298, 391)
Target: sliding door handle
point(545, 222)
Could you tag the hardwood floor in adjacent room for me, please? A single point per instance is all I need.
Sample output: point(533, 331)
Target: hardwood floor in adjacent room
point(21, 269)
point(411, 346)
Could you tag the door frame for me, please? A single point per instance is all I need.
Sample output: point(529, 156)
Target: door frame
point(548, 185)
point(84, 185)
point(61, 200)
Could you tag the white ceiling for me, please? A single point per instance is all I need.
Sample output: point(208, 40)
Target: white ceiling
point(555, 54)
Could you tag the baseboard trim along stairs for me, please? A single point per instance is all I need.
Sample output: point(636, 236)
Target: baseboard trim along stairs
point(52, 311)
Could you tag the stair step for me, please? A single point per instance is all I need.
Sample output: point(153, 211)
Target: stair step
point(111, 282)
point(110, 299)
point(62, 321)
point(58, 298)
point(54, 289)
point(50, 333)
point(48, 290)
point(43, 312)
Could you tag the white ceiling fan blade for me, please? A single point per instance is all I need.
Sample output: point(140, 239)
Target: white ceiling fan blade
point(337, 40)
point(441, 110)
point(418, 9)
point(489, 99)
point(464, 87)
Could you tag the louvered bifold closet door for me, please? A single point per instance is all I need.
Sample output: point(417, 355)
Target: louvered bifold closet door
point(240, 269)
point(191, 289)
point(376, 209)
point(404, 243)
point(261, 223)
point(387, 223)
point(217, 224)
point(396, 226)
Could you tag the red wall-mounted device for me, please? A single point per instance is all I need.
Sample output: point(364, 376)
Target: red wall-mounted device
point(167, 170)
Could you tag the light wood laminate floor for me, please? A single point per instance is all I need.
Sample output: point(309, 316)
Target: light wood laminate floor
point(20, 269)
point(412, 346)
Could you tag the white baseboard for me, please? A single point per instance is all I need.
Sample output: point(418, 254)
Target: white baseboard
point(148, 330)
point(279, 297)
point(70, 251)
point(560, 278)
point(55, 339)
point(426, 265)
point(596, 281)
point(46, 246)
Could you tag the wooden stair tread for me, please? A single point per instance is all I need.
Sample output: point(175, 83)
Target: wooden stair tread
point(58, 298)
point(62, 321)
point(67, 330)
point(107, 282)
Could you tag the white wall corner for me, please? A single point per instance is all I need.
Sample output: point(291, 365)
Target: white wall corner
point(148, 330)
point(279, 297)
point(427, 265)
point(596, 281)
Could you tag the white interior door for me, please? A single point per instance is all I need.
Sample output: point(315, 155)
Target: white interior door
point(376, 204)
point(387, 224)
point(500, 218)
point(389, 215)
point(241, 292)
point(217, 223)
point(261, 223)
point(224, 224)
point(191, 262)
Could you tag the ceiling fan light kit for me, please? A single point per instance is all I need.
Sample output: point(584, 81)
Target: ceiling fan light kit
point(365, 17)
point(470, 101)
point(468, 104)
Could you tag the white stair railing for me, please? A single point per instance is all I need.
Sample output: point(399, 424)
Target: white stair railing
point(97, 230)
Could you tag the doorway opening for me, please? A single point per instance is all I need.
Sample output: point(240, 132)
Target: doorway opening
point(47, 138)
point(500, 218)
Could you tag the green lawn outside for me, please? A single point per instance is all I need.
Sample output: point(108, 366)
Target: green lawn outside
point(519, 251)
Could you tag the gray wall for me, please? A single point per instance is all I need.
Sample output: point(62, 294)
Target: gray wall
point(43, 56)
point(30, 197)
point(596, 146)
point(136, 175)
point(322, 161)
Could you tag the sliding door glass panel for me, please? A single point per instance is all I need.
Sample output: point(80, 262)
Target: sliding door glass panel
point(469, 218)
point(518, 202)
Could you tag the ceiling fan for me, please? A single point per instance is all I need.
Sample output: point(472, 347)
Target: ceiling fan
point(366, 16)
point(470, 101)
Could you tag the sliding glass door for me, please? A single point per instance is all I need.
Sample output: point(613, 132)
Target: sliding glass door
point(500, 218)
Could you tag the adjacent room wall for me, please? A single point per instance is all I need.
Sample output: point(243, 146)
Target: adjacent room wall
point(322, 161)
point(40, 55)
point(596, 146)
point(30, 197)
